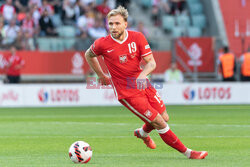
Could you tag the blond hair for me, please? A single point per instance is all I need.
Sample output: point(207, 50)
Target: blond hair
point(119, 11)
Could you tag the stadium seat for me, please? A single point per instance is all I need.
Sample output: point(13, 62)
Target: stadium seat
point(56, 20)
point(44, 44)
point(98, 2)
point(57, 44)
point(183, 20)
point(178, 32)
point(66, 31)
point(194, 32)
point(146, 3)
point(168, 22)
point(199, 20)
point(193, 1)
point(196, 9)
point(69, 43)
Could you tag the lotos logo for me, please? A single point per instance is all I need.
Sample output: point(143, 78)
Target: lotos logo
point(208, 93)
point(189, 93)
point(43, 95)
point(59, 95)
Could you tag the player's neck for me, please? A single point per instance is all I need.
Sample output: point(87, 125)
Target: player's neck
point(123, 36)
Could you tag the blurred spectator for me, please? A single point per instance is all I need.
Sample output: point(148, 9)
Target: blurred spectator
point(88, 2)
point(21, 5)
point(98, 30)
point(70, 12)
point(57, 5)
point(28, 25)
point(27, 42)
point(245, 66)
point(111, 4)
point(177, 6)
point(82, 43)
point(14, 66)
point(103, 8)
point(173, 75)
point(141, 28)
point(35, 14)
point(156, 15)
point(46, 25)
point(8, 10)
point(1, 33)
point(21, 15)
point(10, 33)
point(18, 42)
point(227, 65)
point(90, 15)
point(38, 3)
point(46, 6)
point(162, 5)
point(82, 24)
point(124, 3)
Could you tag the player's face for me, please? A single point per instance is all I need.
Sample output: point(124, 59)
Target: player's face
point(117, 26)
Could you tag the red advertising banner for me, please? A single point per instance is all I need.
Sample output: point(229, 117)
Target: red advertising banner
point(196, 51)
point(68, 62)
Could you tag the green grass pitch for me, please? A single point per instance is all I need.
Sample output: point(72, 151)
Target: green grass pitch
point(40, 137)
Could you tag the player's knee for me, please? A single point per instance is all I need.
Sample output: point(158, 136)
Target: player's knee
point(165, 116)
point(159, 122)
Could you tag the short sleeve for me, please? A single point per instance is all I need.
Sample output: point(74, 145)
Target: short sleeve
point(144, 47)
point(96, 47)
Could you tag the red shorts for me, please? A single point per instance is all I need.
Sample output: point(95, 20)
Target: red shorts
point(146, 105)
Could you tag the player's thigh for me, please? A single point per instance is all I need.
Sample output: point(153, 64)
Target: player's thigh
point(155, 100)
point(141, 107)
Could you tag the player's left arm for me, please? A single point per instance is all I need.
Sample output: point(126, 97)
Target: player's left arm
point(149, 67)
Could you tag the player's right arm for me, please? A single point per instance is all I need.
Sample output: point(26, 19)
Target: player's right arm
point(94, 64)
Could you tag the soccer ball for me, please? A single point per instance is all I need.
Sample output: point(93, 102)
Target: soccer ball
point(80, 152)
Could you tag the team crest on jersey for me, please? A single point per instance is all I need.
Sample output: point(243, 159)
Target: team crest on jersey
point(148, 113)
point(123, 59)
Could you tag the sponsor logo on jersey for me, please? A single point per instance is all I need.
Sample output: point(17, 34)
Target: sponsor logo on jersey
point(110, 50)
point(133, 56)
point(123, 59)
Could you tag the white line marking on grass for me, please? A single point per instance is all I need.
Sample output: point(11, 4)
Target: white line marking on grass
point(67, 116)
point(116, 137)
point(216, 125)
point(139, 124)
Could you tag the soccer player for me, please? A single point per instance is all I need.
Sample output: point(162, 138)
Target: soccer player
point(123, 51)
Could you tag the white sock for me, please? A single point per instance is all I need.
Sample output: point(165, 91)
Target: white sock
point(187, 153)
point(143, 133)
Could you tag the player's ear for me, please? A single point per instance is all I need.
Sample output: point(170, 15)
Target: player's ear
point(126, 24)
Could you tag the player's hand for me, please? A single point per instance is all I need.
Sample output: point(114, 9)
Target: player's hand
point(141, 82)
point(104, 80)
